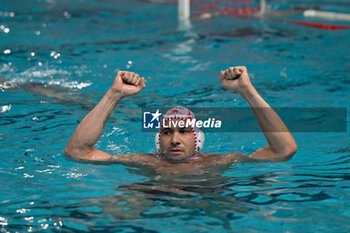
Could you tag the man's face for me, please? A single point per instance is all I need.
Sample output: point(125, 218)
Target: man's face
point(177, 142)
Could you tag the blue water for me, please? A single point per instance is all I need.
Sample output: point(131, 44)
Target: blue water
point(58, 58)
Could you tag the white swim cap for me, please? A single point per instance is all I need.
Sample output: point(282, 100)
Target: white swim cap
point(183, 113)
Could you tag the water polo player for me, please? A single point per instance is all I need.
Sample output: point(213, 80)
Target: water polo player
point(178, 147)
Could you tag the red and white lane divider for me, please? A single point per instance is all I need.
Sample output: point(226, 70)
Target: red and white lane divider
point(319, 25)
point(327, 15)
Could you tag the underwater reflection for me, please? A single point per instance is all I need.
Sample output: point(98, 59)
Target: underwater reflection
point(185, 196)
point(210, 197)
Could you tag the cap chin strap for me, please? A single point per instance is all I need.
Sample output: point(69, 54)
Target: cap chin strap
point(200, 138)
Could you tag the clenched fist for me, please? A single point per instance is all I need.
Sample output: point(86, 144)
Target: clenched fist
point(127, 83)
point(236, 79)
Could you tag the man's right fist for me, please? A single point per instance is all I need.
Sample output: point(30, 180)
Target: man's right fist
point(130, 78)
point(127, 83)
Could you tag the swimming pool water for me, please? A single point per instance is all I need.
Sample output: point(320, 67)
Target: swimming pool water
point(58, 58)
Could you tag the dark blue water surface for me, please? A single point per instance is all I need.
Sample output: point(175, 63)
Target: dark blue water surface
point(59, 57)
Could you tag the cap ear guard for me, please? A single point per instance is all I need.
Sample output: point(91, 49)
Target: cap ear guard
point(157, 141)
point(199, 141)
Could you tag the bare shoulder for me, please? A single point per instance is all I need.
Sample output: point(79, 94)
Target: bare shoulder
point(229, 158)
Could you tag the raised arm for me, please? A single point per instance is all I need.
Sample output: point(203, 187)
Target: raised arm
point(281, 144)
point(85, 136)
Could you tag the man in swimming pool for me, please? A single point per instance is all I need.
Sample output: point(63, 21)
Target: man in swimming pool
point(178, 146)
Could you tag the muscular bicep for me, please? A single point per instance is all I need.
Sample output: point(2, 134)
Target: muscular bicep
point(93, 155)
point(231, 158)
point(135, 159)
point(100, 157)
point(267, 154)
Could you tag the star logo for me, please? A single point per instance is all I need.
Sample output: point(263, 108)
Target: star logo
point(156, 115)
point(151, 120)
